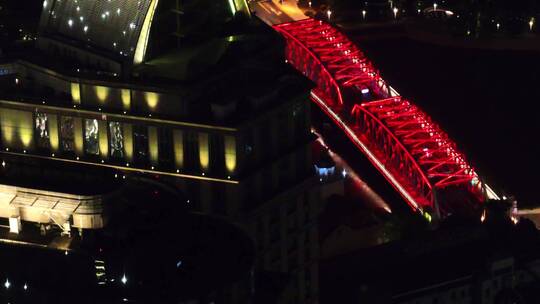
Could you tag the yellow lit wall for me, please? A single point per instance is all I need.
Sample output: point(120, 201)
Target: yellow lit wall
point(153, 147)
point(102, 93)
point(178, 138)
point(78, 136)
point(230, 154)
point(53, 132)
point(126, 99)
point(76, 92)
point(204, 153)
point(128, 142)
point(103, 139)
point(152, 100)
point(17, 128)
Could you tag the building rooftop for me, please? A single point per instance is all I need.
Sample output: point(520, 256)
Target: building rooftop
point(118, 27)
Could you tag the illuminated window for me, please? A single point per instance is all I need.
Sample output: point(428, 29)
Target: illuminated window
point(42, 130)
point(116, 139)
point(67, 133)
point(91, 136)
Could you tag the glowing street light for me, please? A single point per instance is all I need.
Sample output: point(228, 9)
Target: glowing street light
point(498, 26)
point(124, 279)
point(7, 284)
point(309, 3)
point(434, 6)
point(395, 10)
point(531, 24)
point(329, 13)
point(364, 14)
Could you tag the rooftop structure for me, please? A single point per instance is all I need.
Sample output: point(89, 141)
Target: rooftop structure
point(113, 36)
point(121, 27)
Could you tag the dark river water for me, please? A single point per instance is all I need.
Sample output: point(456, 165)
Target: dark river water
point(486, 100)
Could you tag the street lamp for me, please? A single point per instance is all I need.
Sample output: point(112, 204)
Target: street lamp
point(309, 3)
point(7, 284)
point(531, 24)
point(498, 26)
point(364, 14)
point(434, 6)
point(329, 13)
point(124, 279)
point(395, 10)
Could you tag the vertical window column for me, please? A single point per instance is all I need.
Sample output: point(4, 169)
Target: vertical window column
point(78, 136)
point(116, 140)
point(103, 139)
point(140, 134)
point(178, 142)
point(91, 136)
point(67, 134)
point(165, 147)
point(76, 93)
point(153, 145)
point(204, 152)
point(230, 154)
point(128, 142)
point(42, 131)
point(53, 133)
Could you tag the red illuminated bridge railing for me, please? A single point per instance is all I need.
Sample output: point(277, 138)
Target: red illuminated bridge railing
point(403, 143)
point(329, 58)
point(414, 148)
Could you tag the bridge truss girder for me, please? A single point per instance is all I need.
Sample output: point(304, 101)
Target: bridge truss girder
point(420, 156)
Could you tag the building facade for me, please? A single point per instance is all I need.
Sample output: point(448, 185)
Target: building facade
point(85, 95)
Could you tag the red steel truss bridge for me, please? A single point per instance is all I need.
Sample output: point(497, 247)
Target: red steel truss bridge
point(408, 148)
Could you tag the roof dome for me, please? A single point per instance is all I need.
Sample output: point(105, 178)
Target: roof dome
point(114, 26)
